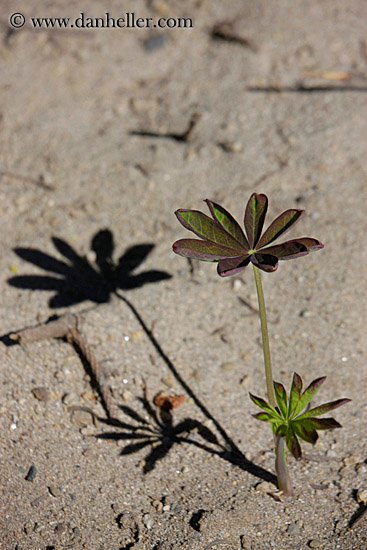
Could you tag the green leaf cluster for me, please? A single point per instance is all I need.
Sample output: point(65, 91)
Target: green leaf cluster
point(288, 420)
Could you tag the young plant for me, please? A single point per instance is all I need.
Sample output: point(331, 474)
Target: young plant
point(289, 423)
point(223, 241)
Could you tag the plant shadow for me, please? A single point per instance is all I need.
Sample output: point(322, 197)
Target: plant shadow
point(163, 434)
point(160, 433)
point(75, 279)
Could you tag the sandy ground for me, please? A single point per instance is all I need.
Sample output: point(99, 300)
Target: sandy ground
point(95, 157)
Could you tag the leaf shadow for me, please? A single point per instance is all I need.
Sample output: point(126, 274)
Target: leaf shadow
point(159, 433)
point(75, 279)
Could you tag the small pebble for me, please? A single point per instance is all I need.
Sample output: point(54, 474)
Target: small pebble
point(37, 501)
point(228, 366)
point(148, 521)
point(32, 472)
point(87, 430)
point(362, 496)
point(237, 284)
point(154, 42)
point(60, 528)
point(158, 505)
point(245, 380)
point(314, 543)
point(266, 487)
point(161, 7)
point(89, 451)
point(231, 146)
point(81, 418)
point(70, 399)
point(294, 529)
point(353, 459)
point(136, 336)
point(41, 394)
point(169, 381)
point(54, 491)
point(46, 179)
point(88, 396)
point(126, 395)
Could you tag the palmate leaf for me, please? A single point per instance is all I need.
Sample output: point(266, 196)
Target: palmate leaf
point(266, 417)
point(207, 228)
point(305, 431)
point(254, 217)
point(288, 423)
point(308, 394)
point(281, 397)
point(223, 230)
point(318, 423)
point(293, 443)
point(264, 261)
point(293, 249)
point(295, 393)
point(323, 409)
point(227, 221)
point(204, 250)
point(260, 402)
point(279, 226)
point(230, 266)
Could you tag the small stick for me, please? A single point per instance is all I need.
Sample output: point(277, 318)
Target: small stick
point(66, 326)
point(75, 337)
point(57, 328)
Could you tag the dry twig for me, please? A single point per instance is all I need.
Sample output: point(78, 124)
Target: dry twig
point(66, 326)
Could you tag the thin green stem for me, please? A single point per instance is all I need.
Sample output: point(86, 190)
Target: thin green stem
point(265, 338)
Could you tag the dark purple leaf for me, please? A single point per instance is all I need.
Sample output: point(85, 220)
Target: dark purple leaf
point(227, 221)
point(266, 262)
point(323, 409)
point(293, 443)
point(260, 402)
point(295, 393)
point(293, 249)
point(254, 217)
point(305, 431)
point(320, 423)
point(231, 266)
point(206, 228)
point(281, 397)
point(203, 250)
point(279, 226)
point(308, 394)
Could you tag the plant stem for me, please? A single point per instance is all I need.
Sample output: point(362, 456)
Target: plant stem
point(281, 467)
point(265, 338)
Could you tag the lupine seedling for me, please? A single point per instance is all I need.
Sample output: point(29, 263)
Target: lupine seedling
point(289, 423)
point(222, 240)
